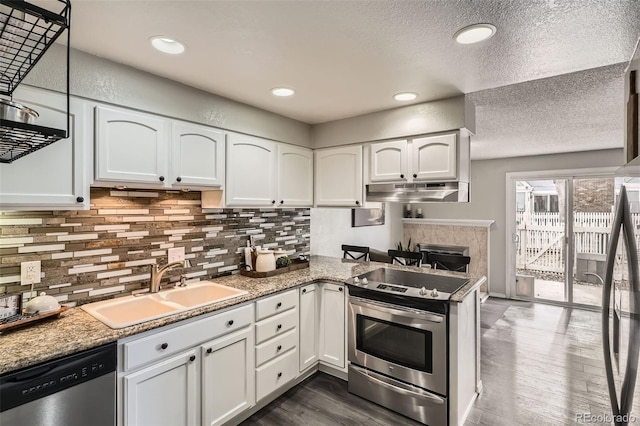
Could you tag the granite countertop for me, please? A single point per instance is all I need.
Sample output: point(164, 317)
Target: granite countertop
point(75, 330)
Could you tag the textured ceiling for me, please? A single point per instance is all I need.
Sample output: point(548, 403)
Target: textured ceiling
point(582, 111)
point(346, 58)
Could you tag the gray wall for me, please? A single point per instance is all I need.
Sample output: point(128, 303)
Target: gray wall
point(97, 78)
point(488, 196)
point(428, 117)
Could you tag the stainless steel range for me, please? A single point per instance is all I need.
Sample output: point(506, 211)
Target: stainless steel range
point(398, 341)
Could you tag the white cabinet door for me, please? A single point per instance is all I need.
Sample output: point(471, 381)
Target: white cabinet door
point(228, 380)
point(332, 324)
point(295, 176)
point(197, 155)
point(434, 157)
point(251, 166)
point(165, 393)
point(54, 177)
point(308, 326)
point(338, 174)
point(131, 146)
point(389, 161)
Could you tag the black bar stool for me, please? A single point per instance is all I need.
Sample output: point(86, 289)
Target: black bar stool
point(355, 252)
point(406, 258)
point(449, 262)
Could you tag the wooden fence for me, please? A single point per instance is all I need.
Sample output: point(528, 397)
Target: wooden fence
point(542, 238)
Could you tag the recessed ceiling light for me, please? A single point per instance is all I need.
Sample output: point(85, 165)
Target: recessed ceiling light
point(167, 45)
point(282, 91)
point(405, 96)
point(474, 33)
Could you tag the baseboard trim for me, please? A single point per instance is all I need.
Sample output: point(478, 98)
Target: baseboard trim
point(333, 371)
point(272, 397)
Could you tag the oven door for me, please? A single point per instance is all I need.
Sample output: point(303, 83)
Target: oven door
point(403, 343)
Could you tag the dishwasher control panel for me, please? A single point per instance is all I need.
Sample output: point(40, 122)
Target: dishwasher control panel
point(36, 382)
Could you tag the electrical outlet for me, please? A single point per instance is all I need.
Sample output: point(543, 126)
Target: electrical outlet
point(30, 272)
point(176, 254)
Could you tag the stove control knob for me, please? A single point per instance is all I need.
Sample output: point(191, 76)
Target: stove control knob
point(365, 281)
point(356, 280)
point(423, 291)
point(434, 293)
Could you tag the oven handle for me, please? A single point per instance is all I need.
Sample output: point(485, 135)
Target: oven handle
point(395, 309)
point(372, 376)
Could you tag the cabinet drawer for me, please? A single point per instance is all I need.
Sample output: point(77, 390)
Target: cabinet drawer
point(276, 304)
point(275, 326)
point(276, 346)
point(276, 373)
point(164, 343)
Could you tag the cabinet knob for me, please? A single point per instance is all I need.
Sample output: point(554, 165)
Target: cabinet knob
point(281, 201)
point(279, 305)
point(192, 358)
point(279, 375)
point(209, 350)
point(164, 346)
point(340, 289)
point(80, 199)
point(401, 176)
point(178, 179)
point(279, 348)
point(273, 201)
point(415, 175)
point(304, 290)
point(279, 326)
point(357, 203)
point(161, 178)
point(229, 323)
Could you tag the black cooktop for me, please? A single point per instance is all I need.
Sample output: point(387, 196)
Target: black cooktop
point(415, 279)
point(406, 288)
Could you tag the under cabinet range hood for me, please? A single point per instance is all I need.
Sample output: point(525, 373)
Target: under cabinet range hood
point(456, 192)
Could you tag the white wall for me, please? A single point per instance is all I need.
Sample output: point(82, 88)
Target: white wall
point(99, 79)
point(488, 196)
point(331, 227)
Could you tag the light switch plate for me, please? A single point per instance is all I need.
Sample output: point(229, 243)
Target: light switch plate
point(30, 272)
point(176, 254)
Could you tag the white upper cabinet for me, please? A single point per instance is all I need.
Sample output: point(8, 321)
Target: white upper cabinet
point(197, 155)
point(295, 176)
point(265, 173)
point(426, 158)
point(131, 146)
point(338, 177)
point(54, 177)
point(434, 157)
point(251, 167)
point(389, 161)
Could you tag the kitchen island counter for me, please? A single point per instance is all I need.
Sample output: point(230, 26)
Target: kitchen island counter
point(76, 330)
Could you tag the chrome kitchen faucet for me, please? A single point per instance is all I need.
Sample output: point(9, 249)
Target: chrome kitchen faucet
point(157, 273)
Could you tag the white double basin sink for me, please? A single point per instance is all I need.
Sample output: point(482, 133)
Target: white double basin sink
point(131, 310)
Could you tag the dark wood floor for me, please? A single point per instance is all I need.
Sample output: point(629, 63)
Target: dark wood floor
point(541, 365)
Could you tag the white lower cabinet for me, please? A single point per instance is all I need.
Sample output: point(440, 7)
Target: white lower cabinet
point(197, 373)
point(227, 377)
point(166, 393)
point(308, 326)
point(277, 340)
point(332, 324)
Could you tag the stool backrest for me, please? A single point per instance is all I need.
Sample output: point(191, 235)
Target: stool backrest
point(406, 258)
point(449, 262)
point(355, 252)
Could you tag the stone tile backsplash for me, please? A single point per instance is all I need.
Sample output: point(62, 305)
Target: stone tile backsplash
point(106, 251)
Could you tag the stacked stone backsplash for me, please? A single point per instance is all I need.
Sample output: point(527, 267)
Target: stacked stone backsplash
point(106, 251)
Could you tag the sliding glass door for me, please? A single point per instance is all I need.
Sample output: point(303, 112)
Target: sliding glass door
point(560, 235)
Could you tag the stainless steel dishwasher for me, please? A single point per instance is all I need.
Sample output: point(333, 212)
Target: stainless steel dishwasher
point(79, 389)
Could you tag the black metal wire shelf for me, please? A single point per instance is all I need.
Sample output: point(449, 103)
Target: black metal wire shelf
point(26, 33)
point(19, 139)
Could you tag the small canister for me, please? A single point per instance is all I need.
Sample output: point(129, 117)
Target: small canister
point(266, 261)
